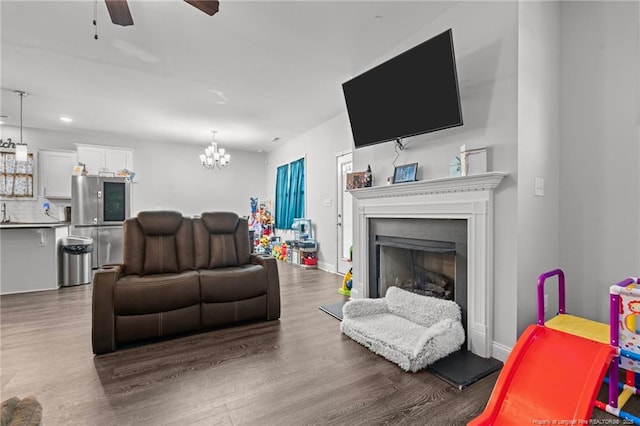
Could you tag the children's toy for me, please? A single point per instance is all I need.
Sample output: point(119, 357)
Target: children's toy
point(264, 246)
point(303, 248)
point(347, 282)
point(548, 354)
point(260, 220)
point(283, 251)
point(276, 250)
point(624, 299)
point(567, 323)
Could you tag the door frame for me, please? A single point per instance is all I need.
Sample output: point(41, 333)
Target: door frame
point(342, 265)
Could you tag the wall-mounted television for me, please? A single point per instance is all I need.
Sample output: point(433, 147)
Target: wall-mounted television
point(413, 93)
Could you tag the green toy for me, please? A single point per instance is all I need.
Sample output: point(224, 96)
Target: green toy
point(347, 283)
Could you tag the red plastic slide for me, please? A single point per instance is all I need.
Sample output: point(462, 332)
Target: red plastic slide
point(550, 377)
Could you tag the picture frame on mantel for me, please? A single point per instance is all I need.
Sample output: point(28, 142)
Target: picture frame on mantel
point(357, 180)
point(405, 173)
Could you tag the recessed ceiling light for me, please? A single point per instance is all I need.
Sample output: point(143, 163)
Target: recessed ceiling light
point(66, 119)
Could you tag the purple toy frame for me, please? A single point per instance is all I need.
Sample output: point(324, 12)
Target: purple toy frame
point(614, 303)
point(561, 299)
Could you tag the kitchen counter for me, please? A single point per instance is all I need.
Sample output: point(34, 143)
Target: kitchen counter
point(14, 225)
point(29, 256)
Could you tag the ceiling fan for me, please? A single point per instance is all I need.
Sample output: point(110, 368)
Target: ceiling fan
point(120, 14)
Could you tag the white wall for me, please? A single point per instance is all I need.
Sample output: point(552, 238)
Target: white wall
point(538, 152)
point(485, 37)
point(599, 174)
point(169, 175)
point(320, 145)
point(172, 178)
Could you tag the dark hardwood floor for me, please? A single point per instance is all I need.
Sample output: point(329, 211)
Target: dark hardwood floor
point(295, 371)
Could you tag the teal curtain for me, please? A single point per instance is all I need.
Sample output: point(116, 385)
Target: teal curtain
point(282, 197)
point(296, 191)
point(289, 193)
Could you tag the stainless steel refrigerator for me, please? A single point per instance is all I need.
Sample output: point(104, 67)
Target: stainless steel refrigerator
point(99, 206)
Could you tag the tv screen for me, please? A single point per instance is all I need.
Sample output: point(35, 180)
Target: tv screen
point(416, 92)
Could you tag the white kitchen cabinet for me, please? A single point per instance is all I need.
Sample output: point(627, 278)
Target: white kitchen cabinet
point(118, 159)
point(93, 158)
point(56, 168)
point(98, 158)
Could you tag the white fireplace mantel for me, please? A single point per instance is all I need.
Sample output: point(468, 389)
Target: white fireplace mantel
point(464, 197)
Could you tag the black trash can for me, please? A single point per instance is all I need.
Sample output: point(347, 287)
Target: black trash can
point(76, 260)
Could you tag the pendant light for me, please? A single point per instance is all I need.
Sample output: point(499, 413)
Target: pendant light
point(21, 147)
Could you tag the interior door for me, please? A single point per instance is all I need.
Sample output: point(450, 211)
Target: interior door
point(344, 220)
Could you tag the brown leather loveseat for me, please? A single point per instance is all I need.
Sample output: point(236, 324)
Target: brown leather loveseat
point(181, 275)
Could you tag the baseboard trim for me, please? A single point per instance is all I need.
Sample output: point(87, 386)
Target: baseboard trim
point(500, 351)
point(327, 267)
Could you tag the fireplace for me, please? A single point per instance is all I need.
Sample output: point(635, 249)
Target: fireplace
point(426, 256)
point(423, 267)
point(426, 210)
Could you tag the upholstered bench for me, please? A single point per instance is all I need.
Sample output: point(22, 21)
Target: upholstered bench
point(406, 328)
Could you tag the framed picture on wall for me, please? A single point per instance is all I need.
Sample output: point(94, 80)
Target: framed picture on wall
point(405, 173)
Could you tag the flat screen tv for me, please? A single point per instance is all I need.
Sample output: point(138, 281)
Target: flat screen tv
point(416, 92)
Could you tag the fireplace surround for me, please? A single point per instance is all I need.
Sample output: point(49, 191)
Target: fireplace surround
point(466, 198)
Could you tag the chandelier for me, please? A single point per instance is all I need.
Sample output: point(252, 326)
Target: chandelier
point(213, 156)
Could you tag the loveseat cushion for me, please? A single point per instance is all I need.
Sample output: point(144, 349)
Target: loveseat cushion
point(232, 284)
point(221, 239)
point(157, 242)
point(139, 295)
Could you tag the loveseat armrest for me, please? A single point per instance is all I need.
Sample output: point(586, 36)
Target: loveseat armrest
point(103, 336)
point(270, 265)
point(362, 307)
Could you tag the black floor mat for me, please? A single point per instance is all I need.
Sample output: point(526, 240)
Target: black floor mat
point(334, 309)
point(464, 368)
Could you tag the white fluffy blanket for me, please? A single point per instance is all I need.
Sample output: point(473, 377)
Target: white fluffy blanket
point(406, 328)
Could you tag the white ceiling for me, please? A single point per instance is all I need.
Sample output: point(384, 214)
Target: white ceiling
point(255, 71)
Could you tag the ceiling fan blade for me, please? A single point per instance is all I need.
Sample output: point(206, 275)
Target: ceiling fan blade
point(119, 12)
point(210, 7)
